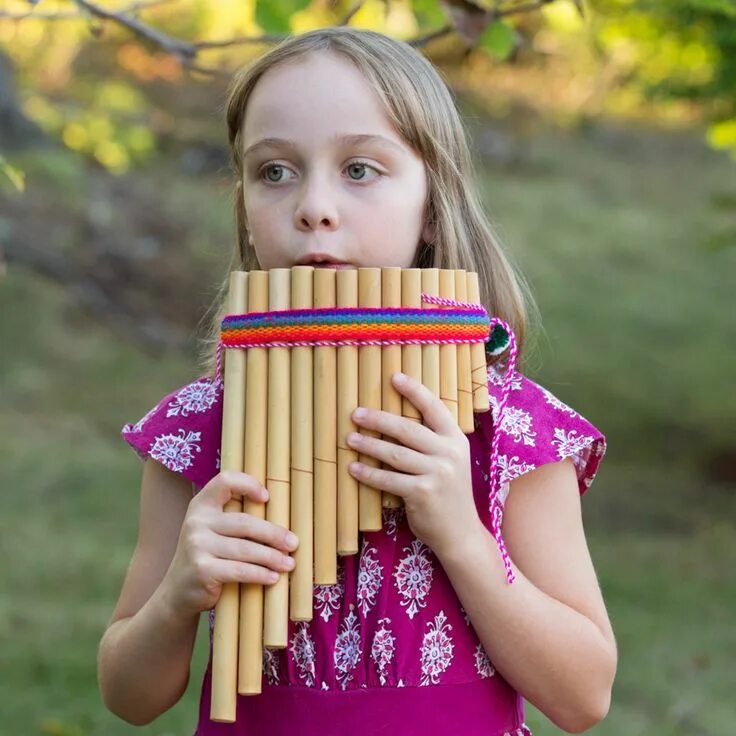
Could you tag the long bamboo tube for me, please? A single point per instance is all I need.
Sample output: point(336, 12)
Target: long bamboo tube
point(227, 610)
point(478, 370)
point(464, 385)
point(347, 400)
point(325, 441)
point(369, 395)
point(302, 478)
point(448, 353)
point(276, 601)
point(390, 363)
point(250, 653)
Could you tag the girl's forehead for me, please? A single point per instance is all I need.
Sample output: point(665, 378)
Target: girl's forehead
point(321, 93)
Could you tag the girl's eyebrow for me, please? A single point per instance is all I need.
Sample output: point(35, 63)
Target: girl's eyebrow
point(354, 139)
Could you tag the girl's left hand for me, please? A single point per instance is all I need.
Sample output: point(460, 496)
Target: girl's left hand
point(433, 464)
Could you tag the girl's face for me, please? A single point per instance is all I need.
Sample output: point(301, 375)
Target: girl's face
point(325, 173)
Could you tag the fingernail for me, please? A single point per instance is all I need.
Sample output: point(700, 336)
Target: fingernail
point(359, 413)
point(292, 541)
point(399, 377)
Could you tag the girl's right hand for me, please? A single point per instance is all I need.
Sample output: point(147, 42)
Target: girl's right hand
point(217, 546)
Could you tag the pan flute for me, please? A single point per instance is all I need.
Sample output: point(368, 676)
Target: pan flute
point(286, 415)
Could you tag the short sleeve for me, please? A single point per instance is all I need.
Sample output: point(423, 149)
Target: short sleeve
point(537, 428)
point(182, 431)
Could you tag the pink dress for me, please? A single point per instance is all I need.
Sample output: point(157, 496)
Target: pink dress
point(390, 649)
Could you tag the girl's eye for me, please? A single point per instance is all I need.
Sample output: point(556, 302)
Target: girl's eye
point(271, 167)
point(361, 166)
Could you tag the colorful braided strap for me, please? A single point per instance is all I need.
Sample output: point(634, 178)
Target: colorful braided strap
point(462, 323)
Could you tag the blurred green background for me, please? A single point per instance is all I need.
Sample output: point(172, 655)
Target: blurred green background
point(604, 135)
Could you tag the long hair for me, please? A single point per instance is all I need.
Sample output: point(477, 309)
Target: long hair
point(423, 111)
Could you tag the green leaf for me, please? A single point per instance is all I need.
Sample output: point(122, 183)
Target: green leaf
point(275, 17)
point(499, 38)
point(428, 13)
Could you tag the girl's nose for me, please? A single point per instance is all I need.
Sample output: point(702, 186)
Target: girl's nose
point(317, 209)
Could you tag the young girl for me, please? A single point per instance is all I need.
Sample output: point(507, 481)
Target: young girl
point(348, 147)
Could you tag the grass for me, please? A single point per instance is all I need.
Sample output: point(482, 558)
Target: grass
point(613, 231)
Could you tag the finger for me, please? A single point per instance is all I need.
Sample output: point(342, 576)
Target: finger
point(399, 484)
point(231, 571)
point(436, 415)
point(238, 524)
point(397, 456)
point(245, 550)
point(231, 484)
point(410, 434)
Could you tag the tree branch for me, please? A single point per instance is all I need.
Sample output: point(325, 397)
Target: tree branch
point(73, 15)
point(186, 51)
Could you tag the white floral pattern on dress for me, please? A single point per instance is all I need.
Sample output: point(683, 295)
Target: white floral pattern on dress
point(383, 649)
point(392, 517)
point(327, 598)
point(483, 664)
point(195, 397)
point(347, 652)
point(516, 423)
point(437, 649)
point(511, 467)
point(413, 577)
point(303, 651)
point(370, 577)
point(176, 453)
point(271, 666)
point(570, 444)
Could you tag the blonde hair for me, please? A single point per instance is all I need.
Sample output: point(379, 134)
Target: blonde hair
point(423, 111)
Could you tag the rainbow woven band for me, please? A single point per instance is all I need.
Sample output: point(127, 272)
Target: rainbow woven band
point(355, 326)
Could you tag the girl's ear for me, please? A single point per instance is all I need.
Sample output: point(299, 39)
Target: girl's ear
point(428, 232)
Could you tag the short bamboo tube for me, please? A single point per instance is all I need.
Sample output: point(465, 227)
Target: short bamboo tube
point(464, 384)
point(325, 441)
point(411, 355)
point(227, 609)
point(276, 600)
point(370, 517)
point(478, 368)
point(302, 479)
point(250, 651)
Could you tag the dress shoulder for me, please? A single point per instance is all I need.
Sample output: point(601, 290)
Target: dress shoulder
point(182, 431)
point(538, 428)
